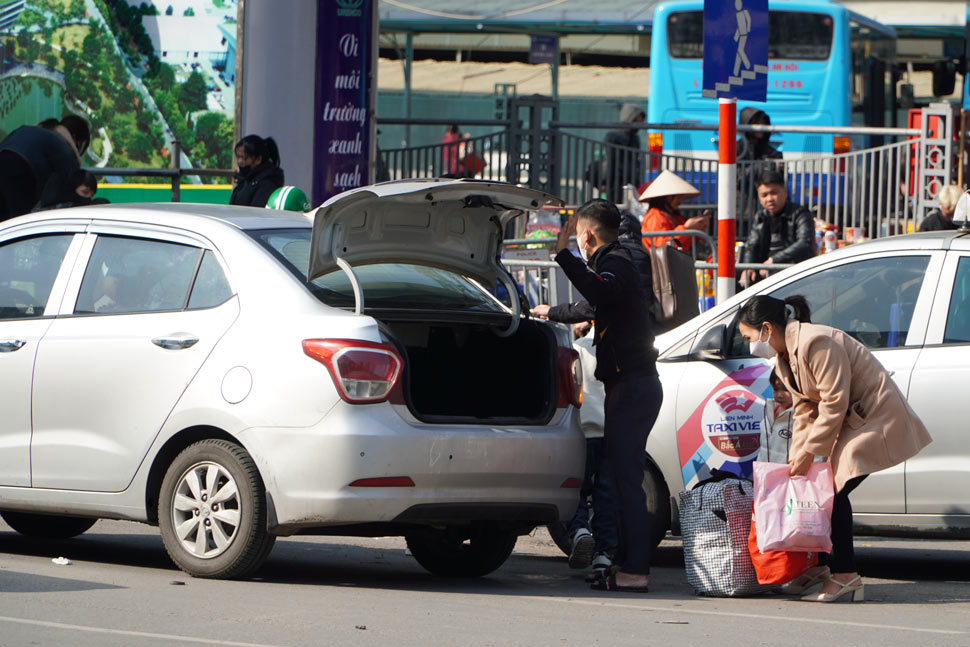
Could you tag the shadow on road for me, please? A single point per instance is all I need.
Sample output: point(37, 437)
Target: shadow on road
point(325, 562)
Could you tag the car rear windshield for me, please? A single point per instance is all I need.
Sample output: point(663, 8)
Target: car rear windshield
point(396, 286)
point(792, 35)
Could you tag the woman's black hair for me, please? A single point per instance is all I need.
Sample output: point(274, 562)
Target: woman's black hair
point(663, 203)
point(775, 380)
point(86, 178)
point(256, 146)
point(757, 310)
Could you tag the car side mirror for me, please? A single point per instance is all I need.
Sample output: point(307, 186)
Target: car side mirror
point(710, 346)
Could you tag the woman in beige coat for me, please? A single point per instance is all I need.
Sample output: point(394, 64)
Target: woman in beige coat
point(847, 409)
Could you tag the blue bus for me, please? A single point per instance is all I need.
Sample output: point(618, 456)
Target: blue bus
point(828, 66)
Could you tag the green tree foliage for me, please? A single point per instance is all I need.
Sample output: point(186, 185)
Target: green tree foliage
point(33, 50)
point(192, 94)
point(170, 10)
point(91, 47)
point(125, 99)
point(213, 135)
point(189, 12)
point(77, 9)
point(141, 147)
point(144, 120)
point(166, 77)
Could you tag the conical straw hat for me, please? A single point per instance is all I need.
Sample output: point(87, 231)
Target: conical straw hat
point(668, 183)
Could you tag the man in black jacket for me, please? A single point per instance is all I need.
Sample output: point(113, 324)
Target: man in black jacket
point(782, 232)
point(626, 364)
point(599, 547)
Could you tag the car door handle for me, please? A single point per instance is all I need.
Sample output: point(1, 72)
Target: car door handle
point(10, 345)
point(176, 341)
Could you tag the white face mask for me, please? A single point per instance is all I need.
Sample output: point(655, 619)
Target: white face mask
point(582, 253)
point(762, 349)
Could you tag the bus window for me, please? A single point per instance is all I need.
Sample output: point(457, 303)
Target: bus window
point(793, 35)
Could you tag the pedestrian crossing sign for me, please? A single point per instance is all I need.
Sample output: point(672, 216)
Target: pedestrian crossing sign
point(736, 49)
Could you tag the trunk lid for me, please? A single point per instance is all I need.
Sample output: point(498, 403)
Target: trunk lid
point(455, 225)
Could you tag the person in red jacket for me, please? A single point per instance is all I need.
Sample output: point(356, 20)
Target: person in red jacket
point(664, 196)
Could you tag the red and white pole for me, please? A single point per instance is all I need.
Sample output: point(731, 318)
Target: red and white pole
point(727, 175)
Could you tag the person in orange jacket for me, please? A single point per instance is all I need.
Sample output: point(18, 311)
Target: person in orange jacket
point(664, 196)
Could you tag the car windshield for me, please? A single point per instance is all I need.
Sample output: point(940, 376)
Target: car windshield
point(396, 286)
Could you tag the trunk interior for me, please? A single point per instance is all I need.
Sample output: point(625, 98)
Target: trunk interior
point(464, 372)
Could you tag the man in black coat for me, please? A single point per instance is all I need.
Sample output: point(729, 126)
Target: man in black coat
point(782, 232)
point(599, 548)
point(35, 161)
point(626, 364)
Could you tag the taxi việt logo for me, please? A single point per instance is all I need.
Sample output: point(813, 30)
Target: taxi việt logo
point(732, 423)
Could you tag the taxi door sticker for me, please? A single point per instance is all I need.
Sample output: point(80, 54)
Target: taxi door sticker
point(724, 432)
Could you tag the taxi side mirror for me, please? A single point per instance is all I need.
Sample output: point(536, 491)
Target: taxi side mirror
point(710, 345)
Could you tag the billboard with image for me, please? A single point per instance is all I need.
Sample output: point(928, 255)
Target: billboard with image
point(143, 73)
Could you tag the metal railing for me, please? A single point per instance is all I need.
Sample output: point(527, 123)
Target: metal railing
point(877, 188)
point(540, 279)
point(482, 157)
point(175, 174)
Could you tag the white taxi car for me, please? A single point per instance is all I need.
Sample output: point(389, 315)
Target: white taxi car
point(907, 298)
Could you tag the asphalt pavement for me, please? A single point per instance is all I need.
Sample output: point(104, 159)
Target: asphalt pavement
point(121, 589)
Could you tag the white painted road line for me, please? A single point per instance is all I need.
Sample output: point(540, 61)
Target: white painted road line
point(135, 634)
point(753, 616)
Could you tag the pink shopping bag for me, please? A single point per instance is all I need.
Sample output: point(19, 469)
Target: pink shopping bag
point(793, 513)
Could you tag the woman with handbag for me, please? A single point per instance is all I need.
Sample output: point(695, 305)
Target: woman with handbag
point(846, 408)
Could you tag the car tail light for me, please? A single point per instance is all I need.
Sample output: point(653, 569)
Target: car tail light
point(363, 371)
point(572, 482)
point(570, 378)
point(655, 143)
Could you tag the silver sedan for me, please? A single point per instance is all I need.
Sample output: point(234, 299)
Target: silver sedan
point(172, 364)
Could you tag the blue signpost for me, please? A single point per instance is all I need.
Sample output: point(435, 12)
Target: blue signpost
point(736, 49)
point(735, 67)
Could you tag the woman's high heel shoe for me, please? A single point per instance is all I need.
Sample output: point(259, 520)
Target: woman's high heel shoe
point(811, 577)
point(854, 588)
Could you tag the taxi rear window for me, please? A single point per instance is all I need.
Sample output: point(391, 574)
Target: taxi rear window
point(398, 286)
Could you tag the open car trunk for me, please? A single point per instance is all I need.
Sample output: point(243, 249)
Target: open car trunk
point(464, 372)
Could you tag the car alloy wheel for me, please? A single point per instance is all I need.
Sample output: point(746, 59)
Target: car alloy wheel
point(206, 510)
point(212, 511)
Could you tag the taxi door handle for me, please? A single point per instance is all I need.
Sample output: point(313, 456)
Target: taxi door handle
point(10, 345)
point(176, 341)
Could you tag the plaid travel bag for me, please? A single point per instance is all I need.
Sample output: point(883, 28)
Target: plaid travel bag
point(715, 520)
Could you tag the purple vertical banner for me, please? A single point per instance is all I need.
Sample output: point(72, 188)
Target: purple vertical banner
point(344, 130)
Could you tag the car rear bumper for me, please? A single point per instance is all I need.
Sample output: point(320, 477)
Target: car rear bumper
point(460, 472)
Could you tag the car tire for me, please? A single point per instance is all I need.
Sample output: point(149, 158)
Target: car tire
point(222, 536)
point(560, 536)
point(462, 551)
point(658, 500)
point(42, 526)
